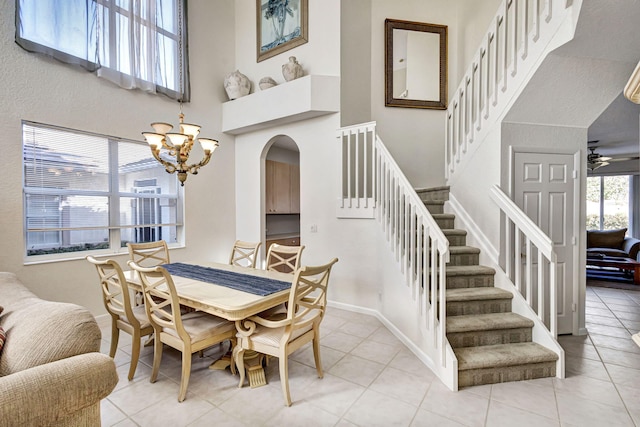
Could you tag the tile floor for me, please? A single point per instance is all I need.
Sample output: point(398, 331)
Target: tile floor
point(371, 379)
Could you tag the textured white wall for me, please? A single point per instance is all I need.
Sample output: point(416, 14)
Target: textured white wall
point(349, 240)
point(36, 88)
point(43, 90)
point(415, 137)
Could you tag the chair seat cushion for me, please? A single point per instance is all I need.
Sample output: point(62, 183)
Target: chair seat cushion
point(272, 336)
point(201, 325)
point(607, 252)
point(141, 314)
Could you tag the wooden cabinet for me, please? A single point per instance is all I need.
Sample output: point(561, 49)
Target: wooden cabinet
point(291, 241)
point(282, 188)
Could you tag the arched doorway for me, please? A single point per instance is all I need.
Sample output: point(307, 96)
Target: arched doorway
point(281, 192)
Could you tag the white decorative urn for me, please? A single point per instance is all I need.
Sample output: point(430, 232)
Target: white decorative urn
point(266, 83)
point(237, 85)
point(292, 69)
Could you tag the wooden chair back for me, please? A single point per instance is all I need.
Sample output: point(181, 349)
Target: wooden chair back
point(285, 259)
point(244, 254)
point(149, 254)
point(308, 294)
point(160, 299)
point(115, 292)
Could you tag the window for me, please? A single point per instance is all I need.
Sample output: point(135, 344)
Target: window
point(135, 44)
point(608, 202)
point(87, 192)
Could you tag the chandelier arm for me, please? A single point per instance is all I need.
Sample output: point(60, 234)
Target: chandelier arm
point(169, 167)
point(194, 167)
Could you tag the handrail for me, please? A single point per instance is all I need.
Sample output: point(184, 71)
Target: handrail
point(528, 227)
point(439, 237)
point(517, 223)
point(374, 186)
point(510, 49)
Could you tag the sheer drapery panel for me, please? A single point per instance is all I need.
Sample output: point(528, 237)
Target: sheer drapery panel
point(135, 44)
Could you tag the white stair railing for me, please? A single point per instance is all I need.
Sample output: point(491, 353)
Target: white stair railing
point(511, 48)
point(530, 260)
point(374, 186)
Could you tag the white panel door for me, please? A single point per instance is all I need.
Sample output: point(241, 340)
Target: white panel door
point(544, 190)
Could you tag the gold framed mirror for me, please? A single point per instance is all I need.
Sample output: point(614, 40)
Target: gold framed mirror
point(415, 64)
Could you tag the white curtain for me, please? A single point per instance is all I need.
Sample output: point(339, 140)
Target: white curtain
point(135, 44)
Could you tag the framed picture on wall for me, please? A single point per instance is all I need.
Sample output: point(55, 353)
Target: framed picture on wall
point(281, 25)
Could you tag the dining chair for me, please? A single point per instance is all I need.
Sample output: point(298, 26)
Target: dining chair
point(244, 254)
point(125, 316)
point(188, 333)
point(285, 259)
point(279, 338)
point(149, 254)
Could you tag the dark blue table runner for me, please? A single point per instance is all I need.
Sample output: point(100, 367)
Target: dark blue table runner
point(256, 285)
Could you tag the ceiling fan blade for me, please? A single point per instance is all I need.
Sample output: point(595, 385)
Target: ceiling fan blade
point(624, 159)
point(596, 143)
point(595, 165)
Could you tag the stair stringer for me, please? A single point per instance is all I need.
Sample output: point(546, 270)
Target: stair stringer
point(489, 258)
point(412, 325)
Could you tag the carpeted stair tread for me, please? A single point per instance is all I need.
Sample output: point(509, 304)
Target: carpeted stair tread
point(469, 270)
point(456, 250)
point(487, 322)
point(443, 216)
point(434, 193)
point(454, 232)
point(477, 294)
point(503, 355)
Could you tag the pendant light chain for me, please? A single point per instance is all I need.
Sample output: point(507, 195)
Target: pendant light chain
point(175, 147)
point(180, 53)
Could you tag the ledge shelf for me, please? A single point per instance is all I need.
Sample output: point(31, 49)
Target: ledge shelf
point(300, 99)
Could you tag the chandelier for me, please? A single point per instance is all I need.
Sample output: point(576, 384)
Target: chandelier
point(172, 149)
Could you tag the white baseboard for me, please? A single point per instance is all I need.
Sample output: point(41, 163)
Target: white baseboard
point(391, 327)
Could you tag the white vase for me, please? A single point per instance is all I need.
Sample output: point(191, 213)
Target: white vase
point(237, 85)
point(266, 83)
point(292, 70)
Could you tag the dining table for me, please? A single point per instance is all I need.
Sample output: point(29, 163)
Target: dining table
point(231, 292)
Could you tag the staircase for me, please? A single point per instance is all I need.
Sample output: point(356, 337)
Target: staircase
point(492, 344)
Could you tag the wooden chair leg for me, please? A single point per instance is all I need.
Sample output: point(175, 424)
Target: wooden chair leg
point(157, 358)
point(135, 354)
point(149, 340)
point(316, 356)
point(115, 335)
point(284, 378)
point(186, 373)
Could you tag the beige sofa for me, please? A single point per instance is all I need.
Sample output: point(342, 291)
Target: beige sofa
point(51, 370)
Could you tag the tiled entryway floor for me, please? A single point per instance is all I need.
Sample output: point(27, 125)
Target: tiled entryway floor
point(371, 379)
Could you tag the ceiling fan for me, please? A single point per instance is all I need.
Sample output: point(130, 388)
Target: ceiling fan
point(596, 160)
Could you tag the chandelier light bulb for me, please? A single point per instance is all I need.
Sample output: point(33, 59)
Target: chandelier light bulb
point(161, 127)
